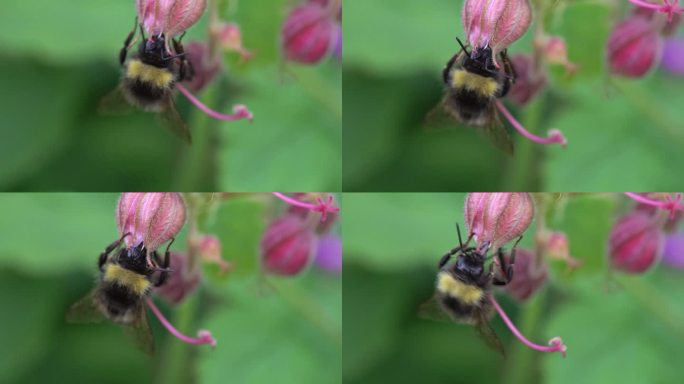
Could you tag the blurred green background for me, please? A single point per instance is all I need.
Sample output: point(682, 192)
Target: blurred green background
point(617, 330)
point(273, 330)
point(394, 55)
point(58, 59)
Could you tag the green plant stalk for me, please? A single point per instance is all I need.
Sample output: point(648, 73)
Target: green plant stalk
point(175, 366)
point(522, 175)
point(652, 301)
point(193, 171)
point(521, 360)
point(297, 298)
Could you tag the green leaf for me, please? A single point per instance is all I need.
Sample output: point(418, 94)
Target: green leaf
point(294, 142)
point(269, 337)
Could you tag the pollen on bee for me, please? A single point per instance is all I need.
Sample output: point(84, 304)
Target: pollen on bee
point(447, 284)
point(159, 77)
point(480, 84)
point(134, 281)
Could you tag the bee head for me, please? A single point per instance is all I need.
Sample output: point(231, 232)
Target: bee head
point(154, 43)
point(471, 263)
point(134, 259)
point(481, 61)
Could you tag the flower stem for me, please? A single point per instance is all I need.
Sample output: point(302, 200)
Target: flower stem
point(555, 344)
point(204, 336)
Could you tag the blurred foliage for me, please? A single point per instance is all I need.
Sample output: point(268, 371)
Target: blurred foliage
point(58, 59)
point(268, 329)
point(617, 328)
point(394, 55)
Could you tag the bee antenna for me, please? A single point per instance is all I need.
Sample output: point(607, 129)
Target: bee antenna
point(462, 46)
point(458, 230)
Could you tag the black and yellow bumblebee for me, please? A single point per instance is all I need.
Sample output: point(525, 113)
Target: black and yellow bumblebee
point(149, 79)
point(463, 287)
point(126, 279)
point(473, 81)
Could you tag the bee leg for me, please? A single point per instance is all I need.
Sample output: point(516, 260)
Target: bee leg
point(104, 255)
point(461, 246)
point(185, 71)
point(165, 264)
point(127, 43)
point(509, 70)
point(506, 268)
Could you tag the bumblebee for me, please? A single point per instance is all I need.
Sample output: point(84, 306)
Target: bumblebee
point(126, 278)
point(149, 78)
point(473, 81)
point(462, 288)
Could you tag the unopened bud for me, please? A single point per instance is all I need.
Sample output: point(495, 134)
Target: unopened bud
point(182, 279)
point(634, 47)
point(529, 81)
point(150, 218)
point(230, 38)
point(205, 68)
point(498, 218)
point(636, 242)
point(528, 277)
point(287, 246)
point(209, 248)
point(309, 33)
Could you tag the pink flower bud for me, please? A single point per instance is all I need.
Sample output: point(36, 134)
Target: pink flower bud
point(229, 37)
point(169, 17)
point(558, 248)
point(636, 242)
point(673, 255)
point(209, 248)
point(528, 277)
point(496, 23)
point(556, 52)
point(309, 33)
point(529, 81)
point(150, 218)
point(634, 47)
point(329, 253)
point(205, 67)
point(287, 246)
point(182, 279)
point(498, 218)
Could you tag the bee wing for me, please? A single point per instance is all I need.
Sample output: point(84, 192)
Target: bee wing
point(484, 329)
point(170, 118)
point(114, 103)
point(497, 132)
point(85, 311)
point(139, 330)
point(432, 310)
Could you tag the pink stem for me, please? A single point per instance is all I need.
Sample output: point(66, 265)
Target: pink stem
point(204, 336)
point(555, 344)
point(646, 4)
point(670, 205)
point(323, 206)
point(239, 111)
point(669, 7)
point(555, 136)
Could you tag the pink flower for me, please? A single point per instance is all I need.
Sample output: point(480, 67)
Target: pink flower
point(529, 81)
point(673, 255)
point(287, 246)
point(182, 281)
point(673, 56)
point(329, 253)
point(230, 38)
point(495, 23)
point(311, 31)
point(205, 67)
point(497, 218)
point(528, 277)
point(150, 218)
point(634, 47)
point(169, 17)
point(636, 242)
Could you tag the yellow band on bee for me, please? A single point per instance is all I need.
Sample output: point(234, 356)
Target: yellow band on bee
point(159, 77)
point(136, 282)
point(447, 284)
point(485, 86)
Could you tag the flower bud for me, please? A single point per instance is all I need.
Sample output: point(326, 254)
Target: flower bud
point(673, 255)
point(673, 56)
point(555, 51)
point(150, 218)
point(636, 242)
point(209, 248)
point(182, 279)
point(528, 83)
point(169, 17)
point(329, 253)
point(309, 33)
point(558, 248)
point(528, 277)
point(498, 218)
point(497, 23)
point(204, 66)
point(634, 47)
point(287, 246)
point(229, 37)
